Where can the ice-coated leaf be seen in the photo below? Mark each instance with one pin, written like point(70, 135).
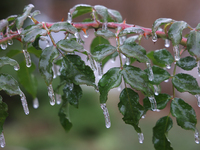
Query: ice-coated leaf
point(187, 63)
point(3, 113)
point(198, 27)
point(80, 9)
point(159, 22)
point(150, 55)
point(3, 24)
point(163, 56)
point(69, 45)
point(27, 78)
point(74, 68)
point(63, 26)
point(131, 30)
point(175, 31)
point(186, 83)
point(11, 17)
point(115, 15)
point(184, 113)
point(26, 13)
point(101, 51)
point(36, 44)
point(8, 61)
point(137, 79)
point(111, 79)
point(45, 63)
point(130, 108)
point(35, 13)
point(193, 44)
point(102, 11)
point(105, 34)
point(160, 131)
point(72, 94)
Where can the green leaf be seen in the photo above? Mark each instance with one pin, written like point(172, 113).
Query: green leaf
point(184, 113)
point(160, 22)
point(20, 19)
point(13, 53)
point(187, 63)
point(105, 34)
point(102, 11)
point(175, 32)
point(150, 55)
point(131, 30)
point(8, 61)
point(36, 43)
point(98, 40)
point(193, 44)
point(80, 9)
point(3, 24)
point(45, 63)
point(161, 101)
point(64, 116)
point(9, 85)
point(130, 108)
point(11, 17)
point(72, 94)
point(34, 51)
point(160, 131)
point(137, 79)
point(3, 113)
point(74, 68)
point(115, 15)
point(163, 56)
point(186, 83)
point(27, 78)
point(101, 51)
point(63, 26)
point(111, 79)
point(35, 13)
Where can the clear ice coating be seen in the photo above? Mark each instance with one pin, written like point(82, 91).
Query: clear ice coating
point(176, 53)
point(198, 99)
point(100, 69)
point(77, 36)
point(24, 103)
point(156, 89)
point(35, 103)
point(153, 103)
point(151, 76)
point(92, 63)
point(2, 140)
point(141, 137)
point(51, 94)
point(168, 66)
point(58, 99)
point(154, 37)
point(127, 61)
point(4, 46)
point(167, 43)
point(198, 68)
point(85, 34)
point(196, 136)
point(104, 26)
point(10, 42)
point(16, 67)
point(106, 115)
point(69, 19)
point(27, 58)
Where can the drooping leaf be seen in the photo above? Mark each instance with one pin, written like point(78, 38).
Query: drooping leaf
point(175, 31)
point(45, 63)
point(105, 34)
point(115, 15)
point(184, 113)
point(80, 9)
point(8, 61)
point(150, 55)
point(102, 11)
point(160, 22)
point(187, 63)
point(111, 79)
point(131, 30)
point(3, 113)
point(130, 108)
point(186, 83)
point(63, 26)
point(163, 56)
point(160, 131)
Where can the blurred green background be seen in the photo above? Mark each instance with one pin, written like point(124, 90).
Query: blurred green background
point(41, 130)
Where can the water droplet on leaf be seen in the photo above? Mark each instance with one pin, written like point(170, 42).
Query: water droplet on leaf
point(35, 103)
point(10, 42)
point(51, 94)
point(106, 115)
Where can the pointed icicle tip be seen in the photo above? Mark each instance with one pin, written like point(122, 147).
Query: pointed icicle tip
point(51, 94)
point(198, 99)
point(141, 137)
point(106, 115)
point(176, 53)
point(85, 33)
point(151, 76)
point(35, 103)
point(24, 103)
point(27, 58)
point(4, 46)
point(58, 99)
point(154, 37)
point(167, 43)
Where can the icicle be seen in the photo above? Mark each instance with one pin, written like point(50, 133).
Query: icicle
point(85, 34)
point(16, 67)
point(168, 66)
point(4, 46)
point(143, 116)
point(198, 68)
point(54, 71)
point(176, 53)
point(69, 19)
point(35, 103)
point(58, 99)
point(153, 103)
point(100, 69)
point(24, 103)
point(127, 61)
point(167, 43)
point(113, 60)
point(27, 58)
point(51, 94)
point(77, 36)
point(106, 115)
point(2, 140)
point(97, 89)
point(141, 137)
point(151, 76)
point(156, 89)
point(71, 86)
point(196, 136)
point(167, 80)
point(154, 37)
point(104, 26)
point(198, 99)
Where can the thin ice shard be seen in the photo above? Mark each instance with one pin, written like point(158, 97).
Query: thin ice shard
point(151, 76)
point(105, 26)
point(92, 63)
point(176, 53)
point(24, 103)
point(35, 103)
point(198, 99)
point(106, 115)
point(2, 140)
point(196, 136)
point(27, 58)
point(198, 68)
point(156, 89)
point(153, 103)
point(167, 43)
point(69, 19)
point(77, 36)
point(51, 94)
point(141, 137)
point(58, 99)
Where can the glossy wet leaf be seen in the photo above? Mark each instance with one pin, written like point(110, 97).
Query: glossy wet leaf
point(175, 31)
point(80, 9)
point(101, 11)
point(163, 56)
point(187, 63)
point(160, 131)
point(11, 17)
point(8, 61)
point(115, 15)
point(130, 108)
point(160, 22)
point(131, 30)
point(63, 26)
point(105, 34)
point(13, 53)
point(184, 113)
point(34, 51)
point(3, 24)
point(3, 113)
point(150, 55)
point(45, 63)
point(186, 83)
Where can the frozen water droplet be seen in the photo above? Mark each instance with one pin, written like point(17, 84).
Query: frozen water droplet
point(113, 60)
point(4, 46)
point(196, 136)
point(85, 34)
point(154, 37)
point(100, 69)
point(141, 137)
point(10, 42)
point(71, 86)
point(127, 61)
point(106, 115)
point(143, 116)
point(198, 67)
point(54, 69)
point(16, 67)
point(51, 94)
point(2, 140)
point(58, 99)
point(176, 53)
point(77, 36)
point(151, 76)
point(27, 58)
point(119, 87)
point(167, 43)
point(47, 43)
point(153, 103)
point(24, 103)
point(35, 103)
point(123, 56)
point(104, 26)
point(166, 80)
point(156, 89)
point(168, 66)
point(69, 19)
point(198, 99)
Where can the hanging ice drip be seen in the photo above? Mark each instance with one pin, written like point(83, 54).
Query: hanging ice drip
point(35, 103)
point(154, 37)
point(106, 115)
point(56, 71)
point(16, 67)
point(26, 55)
point(196, 136)
point(105, 25)
point(85, 33)
point(2, 140)
point(51, 94)
point(58, 99)
point(77, 36)
point(24, 103)
point(69, 19)
point(167, 43)
point(176, 53)
point(3, 45)
point(198, 67)
point(92, 62)
point(151, 76)
point(156, 89)
point(141, 137)
point(153, 103)
point(44, 38)
point(127, 61)
point(10, 41)
point(198, 99)
point(168, 66)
